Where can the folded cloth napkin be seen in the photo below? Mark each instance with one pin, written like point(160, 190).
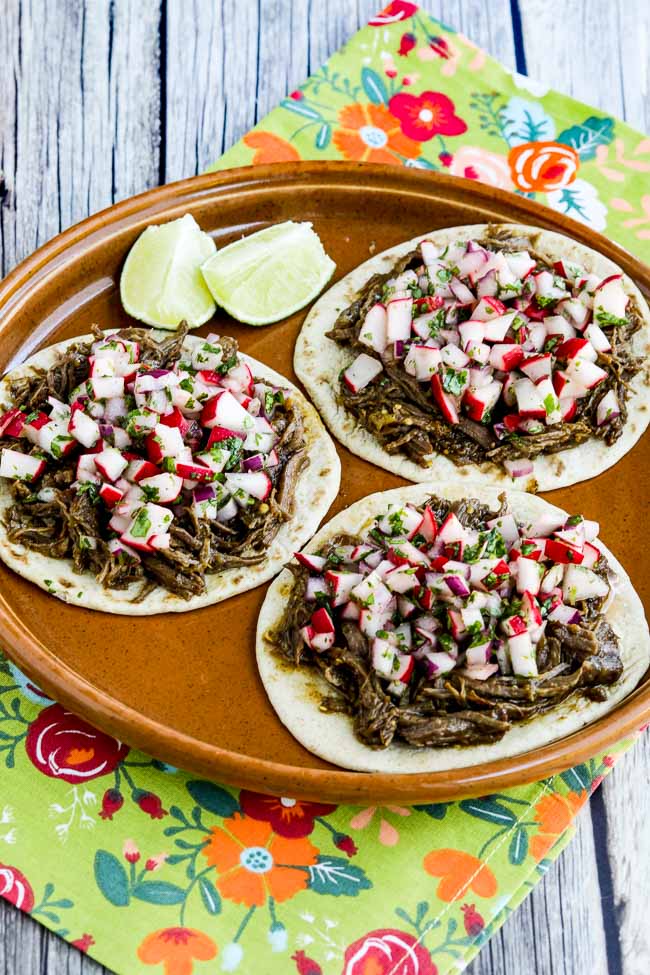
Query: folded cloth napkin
point(149, 869)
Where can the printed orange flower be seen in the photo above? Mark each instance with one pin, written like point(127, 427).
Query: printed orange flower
point(423, 116)
point(460, 873)
point(554, 813)
point(369, 133)
point(270, 148)
point(543, 166)
point(254, 863)
point(176, 949)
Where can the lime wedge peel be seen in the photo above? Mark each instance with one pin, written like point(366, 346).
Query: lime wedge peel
point(270, 274)
point(161, 283)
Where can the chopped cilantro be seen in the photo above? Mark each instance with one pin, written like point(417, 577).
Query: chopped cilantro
point(454, 382)
point(142, 524)
point(150, 492)
point(236, 448)
point(187, 385)
point(272, 399)
point(545, 301)
point(444, 274)
point(606, 318)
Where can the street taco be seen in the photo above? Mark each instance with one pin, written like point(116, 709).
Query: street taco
point(142, 473)
point(425, 629)
point(506, 353)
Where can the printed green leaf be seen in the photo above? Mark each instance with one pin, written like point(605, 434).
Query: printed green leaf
point(111, 878)
point(158, 892)
point(586, 138)
point(324, 136)
point(210, 896)
point(518, 849)
point(299, 108)
point(489, 810)
point(213, 798)
point(374, 87)
point(577, 778)
point(337, 877)
point(437, 810)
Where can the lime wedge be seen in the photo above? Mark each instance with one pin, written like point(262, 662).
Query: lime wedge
point(161, 282)
point(270, 274)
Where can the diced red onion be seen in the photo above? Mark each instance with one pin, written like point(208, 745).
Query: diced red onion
point(519, 468)
point(254, 463)
point(204, 492)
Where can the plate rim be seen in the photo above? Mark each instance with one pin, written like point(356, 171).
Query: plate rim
point(120, 720)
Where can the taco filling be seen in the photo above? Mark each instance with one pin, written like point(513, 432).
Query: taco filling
point(448, 623)
point(149, 461)
point(483, 350)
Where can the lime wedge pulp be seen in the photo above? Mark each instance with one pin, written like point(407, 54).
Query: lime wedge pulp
point(270, 274)
point(161, 282)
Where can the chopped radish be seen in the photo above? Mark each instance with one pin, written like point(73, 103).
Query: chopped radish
point(383, 657)
point(110, 463)
point(610, 301)
point(421, 362)
point(528, 576)
point(164, 442)
point(505, 356)
point(487, 309)
point(558, 550)
point(608, 408)
point(398, 319)
point(256, 483)
point(444, 400)
point(239, 379)
point(373, 332)
point(480, 402)
point(585, 373)
point(225, 411)
point(148, 520)
point(550, 401)
point(529, 400)
point(110, 494)
point(522, 655)
point(163, 488)
point(453, 357)
point(597, 337)
point(471, 332)
point(497, 328)
point(582, 583)
point(361, 372)
point(428, 527)
point(591, 554)
point(20, 467)
point(520, 467)
point(537, 367)
point(12, 423)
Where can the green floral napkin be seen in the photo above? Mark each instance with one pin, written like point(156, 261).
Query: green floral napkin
point(152, 871)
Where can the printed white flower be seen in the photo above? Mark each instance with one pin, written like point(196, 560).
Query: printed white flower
point(89, 798)
point(7, 816)
point(309, 918)
point(580, 200)
point(302, 940)
point(277, 937)
point(231, 957)
point(532, 85)
point(9, 837)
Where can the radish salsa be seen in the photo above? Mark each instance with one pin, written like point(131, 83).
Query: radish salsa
point(447, 623)
point(149, 461)
point(484, 351)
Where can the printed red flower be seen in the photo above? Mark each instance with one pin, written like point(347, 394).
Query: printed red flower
point(406, 44)
point(346, 844)
point(423, 116)
point(83, 943)
point(112, 802)
point(149, 803)
point(15, 888)
point(393, 13)
point(474, 923)
point(63, 746)
point(388, 951)
point(287, 817)
point(306, 965)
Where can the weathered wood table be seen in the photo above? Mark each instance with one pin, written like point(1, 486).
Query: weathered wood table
point(100, 99)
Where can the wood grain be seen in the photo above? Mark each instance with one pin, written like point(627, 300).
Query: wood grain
point(104, 98)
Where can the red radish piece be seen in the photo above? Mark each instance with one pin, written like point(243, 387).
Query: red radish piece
point(478, 403)
point(487, 309)
point(383, 657)
point(610, 299)
point(256, 483)
point(505, 356)
point(164, 487)
point(585, 373)
point(398, 319)
point(572, 348)
point(140, 468)
point(582, 583)
point(239, 379)
point(444, 400)
point(217, 434)
point(522, 655)
point(12, 423)
point(519, 468)
point(110, 463)
point(361, 372)
point(176, 419)
point(537, 367)
point(528, 576)
point(560, 551)
point(550, 400)
point(110, 494)
point(403, 667)
point(471, 331)
point(373, 331)
point(421, 362)
point(20, 467)
point(568, 408)
point(164, 442)
point(428, 527)
point(597, 337)
point(225, 411)
point(453, 357)
point(608, 408)
point(497, 328)
point(529, 401)
point(322, 621)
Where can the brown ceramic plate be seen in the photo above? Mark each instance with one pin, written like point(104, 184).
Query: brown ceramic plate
point(184, 687)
